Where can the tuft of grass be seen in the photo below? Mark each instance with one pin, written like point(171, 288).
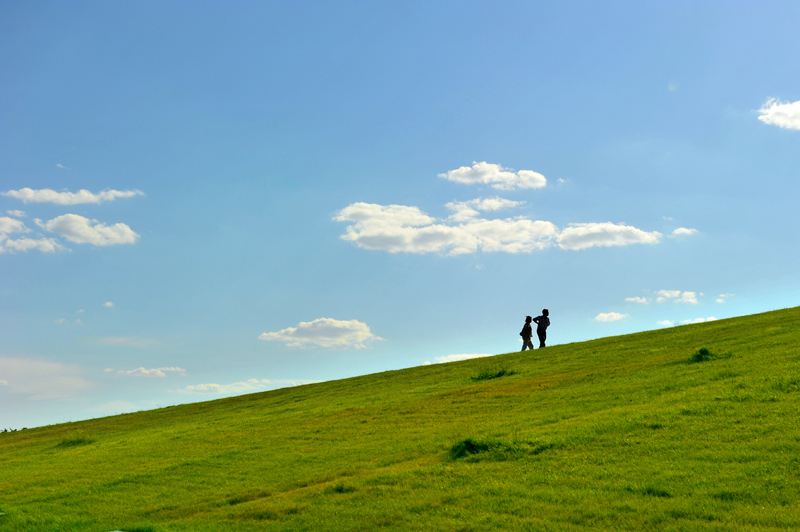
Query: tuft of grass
point(75, 441)
point(247, 496)
point(340, 487)
point(650, 491)
point(487, 374)
point(468, 447)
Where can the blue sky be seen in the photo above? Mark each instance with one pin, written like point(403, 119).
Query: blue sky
point(200, 200)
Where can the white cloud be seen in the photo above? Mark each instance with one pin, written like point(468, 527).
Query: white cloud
point(781, 114)
point(466, 211)
point(610, 316)
point(81, 230)
point(42, 379)
point(59, 165)
point(587, 235)
point(324, 332)
point(3, 383)
point(18, 214)
point(154, 372)
point(250, 385)
point(47, 195)
point(676, 295)
point(496, 176)
point(10, 225)
point(666, 323)
point(723, 297)
point(108, 370)
point(456, 358)
point(397, 228)
point(45, 245)
point(642, 300)
point(108, 304)
point(79, 311)
point(699, 320)
point(78, 322)
point(683, 231)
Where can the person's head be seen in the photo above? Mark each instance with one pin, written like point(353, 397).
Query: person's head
point(545, 312)
point(528, 319)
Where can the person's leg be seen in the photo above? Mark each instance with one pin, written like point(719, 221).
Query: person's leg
point(526, 343)
point(542, 338)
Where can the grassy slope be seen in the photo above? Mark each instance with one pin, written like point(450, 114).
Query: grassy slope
point(619, 433)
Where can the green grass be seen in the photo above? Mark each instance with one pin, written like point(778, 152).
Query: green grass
point(625, 433)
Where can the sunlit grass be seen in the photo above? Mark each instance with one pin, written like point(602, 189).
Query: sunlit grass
point(623, 433)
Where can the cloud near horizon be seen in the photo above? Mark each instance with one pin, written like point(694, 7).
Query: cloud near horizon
point(46, 195)
point(250, 385)
point(456, 358)
point(782, 114)
point(40, 380)
point(406, 229)
point(677, 296)
point(324, 332)
point(495, 175)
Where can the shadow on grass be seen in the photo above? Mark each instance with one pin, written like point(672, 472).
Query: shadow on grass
point(74, 442)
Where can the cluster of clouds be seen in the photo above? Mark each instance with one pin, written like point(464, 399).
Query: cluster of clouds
point(145, 372)
point(663, 296)
point(782, 114)
point(407, 229)
point(72, 227)
point(324, 332)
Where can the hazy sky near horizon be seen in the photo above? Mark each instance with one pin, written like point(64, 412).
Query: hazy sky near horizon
point(205, 199)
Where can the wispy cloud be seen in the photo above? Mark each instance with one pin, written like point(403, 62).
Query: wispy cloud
point(723, 297)
point(10, 226)
point(782, 114)
point(59, 165)
point(610, 316)
point(683, 231)
point(666, 323)
point(637, 299)
point(250, 385)
point(153, 372)
point(108, 304)
point(324, 332)
point(496, 176)
point(18, 214)
point(40, 380)
point(456, 358)
point(46, 195)
point(81, 230)
point(468, 210)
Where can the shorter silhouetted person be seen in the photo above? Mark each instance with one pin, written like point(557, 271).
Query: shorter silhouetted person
point(542, 323)
point(526, 334)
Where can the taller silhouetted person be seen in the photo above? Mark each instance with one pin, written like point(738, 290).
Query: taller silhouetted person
point(526, 334)
point(542, 323)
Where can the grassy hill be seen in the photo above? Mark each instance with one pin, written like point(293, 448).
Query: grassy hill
point(633, 432)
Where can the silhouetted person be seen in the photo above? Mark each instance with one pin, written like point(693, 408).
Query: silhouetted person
point(526, 334)
point(542, 323)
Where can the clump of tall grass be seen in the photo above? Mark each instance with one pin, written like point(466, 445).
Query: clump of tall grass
point(493, 374)
point(75, 441)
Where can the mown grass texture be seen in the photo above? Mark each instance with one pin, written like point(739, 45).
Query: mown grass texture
point(621, 433)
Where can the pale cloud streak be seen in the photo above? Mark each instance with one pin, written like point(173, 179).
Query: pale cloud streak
point(723, 297)
point(18, 214)
point(81, 230)
point(610, 316)
point(666, 323)
point(248, 386)
point(324, 332)
point(782, 114)
point(108, 304)
point(637, 299)
point(466, 211)
point(39, 380)
point(699, 320)
point(495, 175)
point(153, 372)
point(10, 226)
point(684, 231)
point(46, 195)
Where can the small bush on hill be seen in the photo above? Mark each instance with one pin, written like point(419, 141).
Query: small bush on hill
point(75, 441)
point(702, 355)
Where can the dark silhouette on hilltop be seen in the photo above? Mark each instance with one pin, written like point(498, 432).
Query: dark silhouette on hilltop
point(526, 334)
point(542, 323)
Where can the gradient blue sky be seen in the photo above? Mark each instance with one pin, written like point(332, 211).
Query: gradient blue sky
point(225, 150)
